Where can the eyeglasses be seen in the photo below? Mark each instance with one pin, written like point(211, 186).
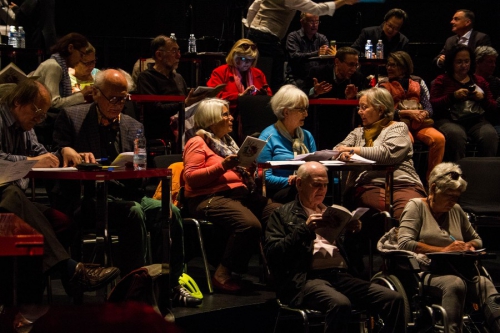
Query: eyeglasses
point(39, 115)
point(453, 175)
point(351, 64)
point(89, 63)
point(391, 64)
point(301, 110)
point(245, 60)
point(392, 27)
point(246, 46)
point(175, 51)
point(311, 23)
point(363, 107)
point(115, 99)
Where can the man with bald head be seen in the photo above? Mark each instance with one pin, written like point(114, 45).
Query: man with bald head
point(100, 130)
point(310, 272)
point(162, 79)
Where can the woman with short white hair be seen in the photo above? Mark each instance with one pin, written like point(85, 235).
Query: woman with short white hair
point(219, 190)
point(286, 139)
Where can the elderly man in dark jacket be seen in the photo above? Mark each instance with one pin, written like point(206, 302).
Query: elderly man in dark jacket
point(311, 271)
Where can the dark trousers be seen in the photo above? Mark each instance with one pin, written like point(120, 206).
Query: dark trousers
point(480, 132)
point(335, 295)
point(242, 215)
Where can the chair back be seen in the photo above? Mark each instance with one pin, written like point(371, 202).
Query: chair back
point(255, 114)
point(163, 161)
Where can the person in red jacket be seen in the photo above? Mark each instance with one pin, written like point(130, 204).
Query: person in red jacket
point(239, 74)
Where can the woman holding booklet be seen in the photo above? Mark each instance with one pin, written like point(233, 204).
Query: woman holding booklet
point(285, 140)
point(239, 73)
point(384, 141)
point(219, 190)
point(438, 224)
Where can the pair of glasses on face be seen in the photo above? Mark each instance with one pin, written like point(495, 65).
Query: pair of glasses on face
point(39, 115)
point(301, 110)
point(89, 63)
point(352, 64)
point(313, 23)
point(246, 46)
point(245, 60)
point(115, 99)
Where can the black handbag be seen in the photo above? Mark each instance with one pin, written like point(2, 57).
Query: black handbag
point(466, 110)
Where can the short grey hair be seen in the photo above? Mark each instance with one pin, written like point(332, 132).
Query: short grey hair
point(288, 97)
point(440, 176)
point(209, 112)
point(484, 51)
point(100, 78)
point(380, 99)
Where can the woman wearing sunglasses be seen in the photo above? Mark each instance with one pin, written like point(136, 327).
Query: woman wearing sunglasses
point(239, 74)
point(438, 224)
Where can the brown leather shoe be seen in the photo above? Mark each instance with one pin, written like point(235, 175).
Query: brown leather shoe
point(90, 277)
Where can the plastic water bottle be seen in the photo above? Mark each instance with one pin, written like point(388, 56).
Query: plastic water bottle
point(21, 34)
point(12, 36)
point(140, 157)
point(368, 49)
point(192, 44)
point(172, 36)
point(380, 49)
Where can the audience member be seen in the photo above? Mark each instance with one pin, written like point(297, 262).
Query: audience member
point(239, 74)
point(100, 130)
point(304, 44)
point(462, 25)
point(163, 79)
point(310, 272)
point(67, 52)
point(486, 59)
point(340, 81)
point(388, 32)
point(22, 108)
point(409, 91)
point(438, 224)
point(460, 100)
point(219, 190)
point(285, 140)
point(269, 20)
point(385, 141)
point(83, 74)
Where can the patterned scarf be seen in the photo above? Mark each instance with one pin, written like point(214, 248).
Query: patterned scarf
point(225, 147)
point(238, 78)
point(298, 145)
point(372, 131)
point(65, 84)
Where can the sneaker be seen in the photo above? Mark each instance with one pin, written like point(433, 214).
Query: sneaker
point(182, 297)
point(89, 277)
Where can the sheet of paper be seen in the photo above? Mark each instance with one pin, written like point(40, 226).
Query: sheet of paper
point(278, 163)
point(55, 169)
point(249, 151)
point(331, 162)
point(12, 171)
point(358, 159)
point(123, 158)
point(320, 155)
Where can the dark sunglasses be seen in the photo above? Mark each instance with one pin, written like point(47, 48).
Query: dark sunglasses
point(453, 175)
point(245, 46)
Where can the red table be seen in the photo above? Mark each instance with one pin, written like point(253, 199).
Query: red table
point(17, 239)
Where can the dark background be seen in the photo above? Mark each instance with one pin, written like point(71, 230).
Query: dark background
point(121, 30)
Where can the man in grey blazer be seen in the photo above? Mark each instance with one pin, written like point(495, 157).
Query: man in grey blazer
point(100, 130)
point(462, 25)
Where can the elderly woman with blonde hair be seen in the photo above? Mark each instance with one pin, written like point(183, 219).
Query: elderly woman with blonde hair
point(286, 139)
point(221, 191)
point(239, 73)
point(438, 224)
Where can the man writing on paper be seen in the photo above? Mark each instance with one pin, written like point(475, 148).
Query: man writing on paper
point(312, 273)
point(21, 109)
point(163, 79)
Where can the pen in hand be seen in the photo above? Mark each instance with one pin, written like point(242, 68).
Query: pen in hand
point(452, 238)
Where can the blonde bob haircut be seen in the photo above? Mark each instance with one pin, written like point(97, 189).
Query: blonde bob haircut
point(238, 49)
point(288, 97)
point(209, 112)
point(380, 99)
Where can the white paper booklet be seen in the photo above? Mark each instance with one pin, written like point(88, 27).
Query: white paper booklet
point(337, 218)
point(358, 159)
point(320, 155)
point(122, 159)
point(249, 150)
point(212, 91)
point(12, 171)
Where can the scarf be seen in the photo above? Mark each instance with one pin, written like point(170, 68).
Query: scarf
point(65, 84)
point(372, 132)
point(225, 147)
point(298, 145)
point(403, 89)
point(238, 78)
